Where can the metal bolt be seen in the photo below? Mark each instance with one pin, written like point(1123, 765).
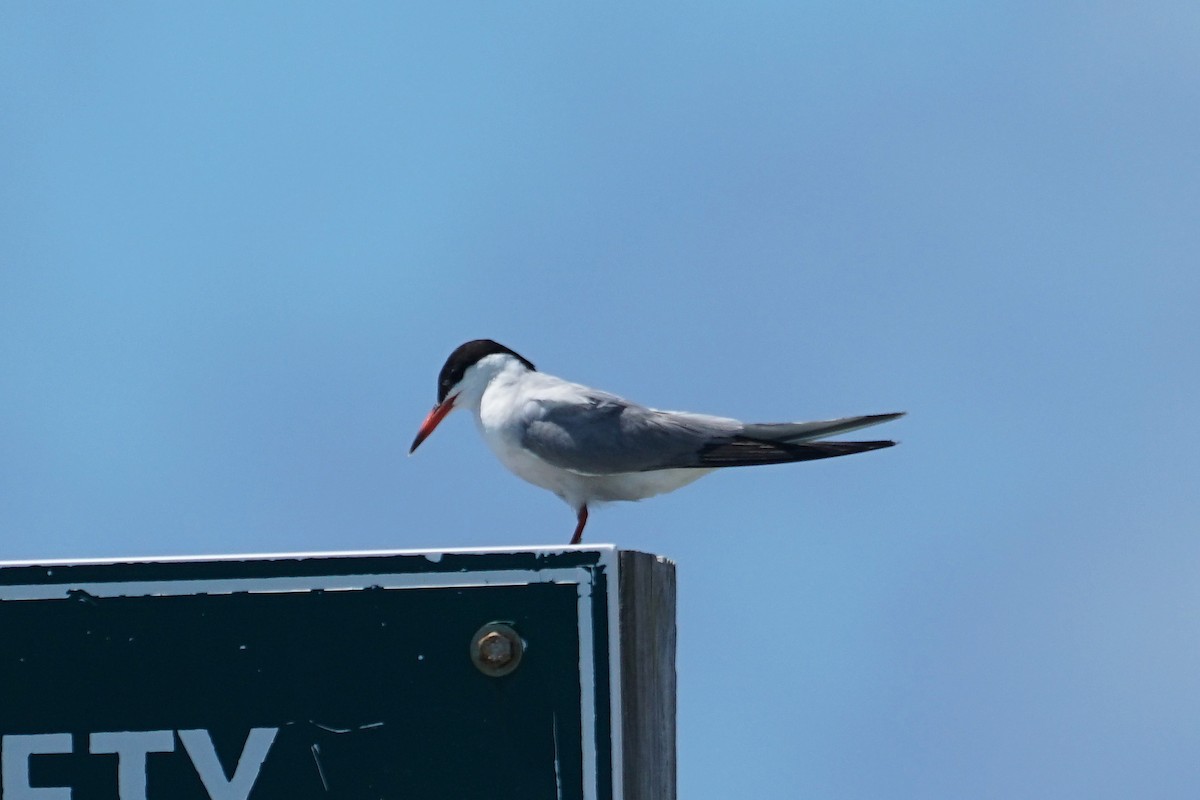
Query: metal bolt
point(496, 649)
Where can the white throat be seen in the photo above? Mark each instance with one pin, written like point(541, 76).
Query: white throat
point(493, 371)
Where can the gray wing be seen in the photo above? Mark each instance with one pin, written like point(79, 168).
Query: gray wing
point(806, 431)
point(608, 435)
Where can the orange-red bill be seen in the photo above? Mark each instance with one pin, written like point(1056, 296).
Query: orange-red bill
point(437, 415)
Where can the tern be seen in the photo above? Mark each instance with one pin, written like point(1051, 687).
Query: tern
point(589, 446)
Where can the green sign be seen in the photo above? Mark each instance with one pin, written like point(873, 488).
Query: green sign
point(394, 675)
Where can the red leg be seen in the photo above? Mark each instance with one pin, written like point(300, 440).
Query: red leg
point(582, 517)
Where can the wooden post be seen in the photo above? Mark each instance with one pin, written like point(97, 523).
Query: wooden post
point(647, 612)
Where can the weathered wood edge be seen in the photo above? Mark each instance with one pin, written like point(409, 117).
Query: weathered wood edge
point(647, 619)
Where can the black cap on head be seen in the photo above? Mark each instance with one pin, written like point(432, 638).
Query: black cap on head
point(465, 356)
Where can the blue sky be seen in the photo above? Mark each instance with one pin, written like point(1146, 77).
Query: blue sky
point(237, 241)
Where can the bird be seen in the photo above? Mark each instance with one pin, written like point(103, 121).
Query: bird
point(589, 446)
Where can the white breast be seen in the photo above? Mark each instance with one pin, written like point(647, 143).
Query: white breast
point(513, 398)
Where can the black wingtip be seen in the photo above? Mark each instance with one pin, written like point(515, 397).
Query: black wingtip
point(744, 452)
point(861, 447)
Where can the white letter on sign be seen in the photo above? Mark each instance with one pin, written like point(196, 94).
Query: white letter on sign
point(131, 748)
point(14, 769)
point(204, 757)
